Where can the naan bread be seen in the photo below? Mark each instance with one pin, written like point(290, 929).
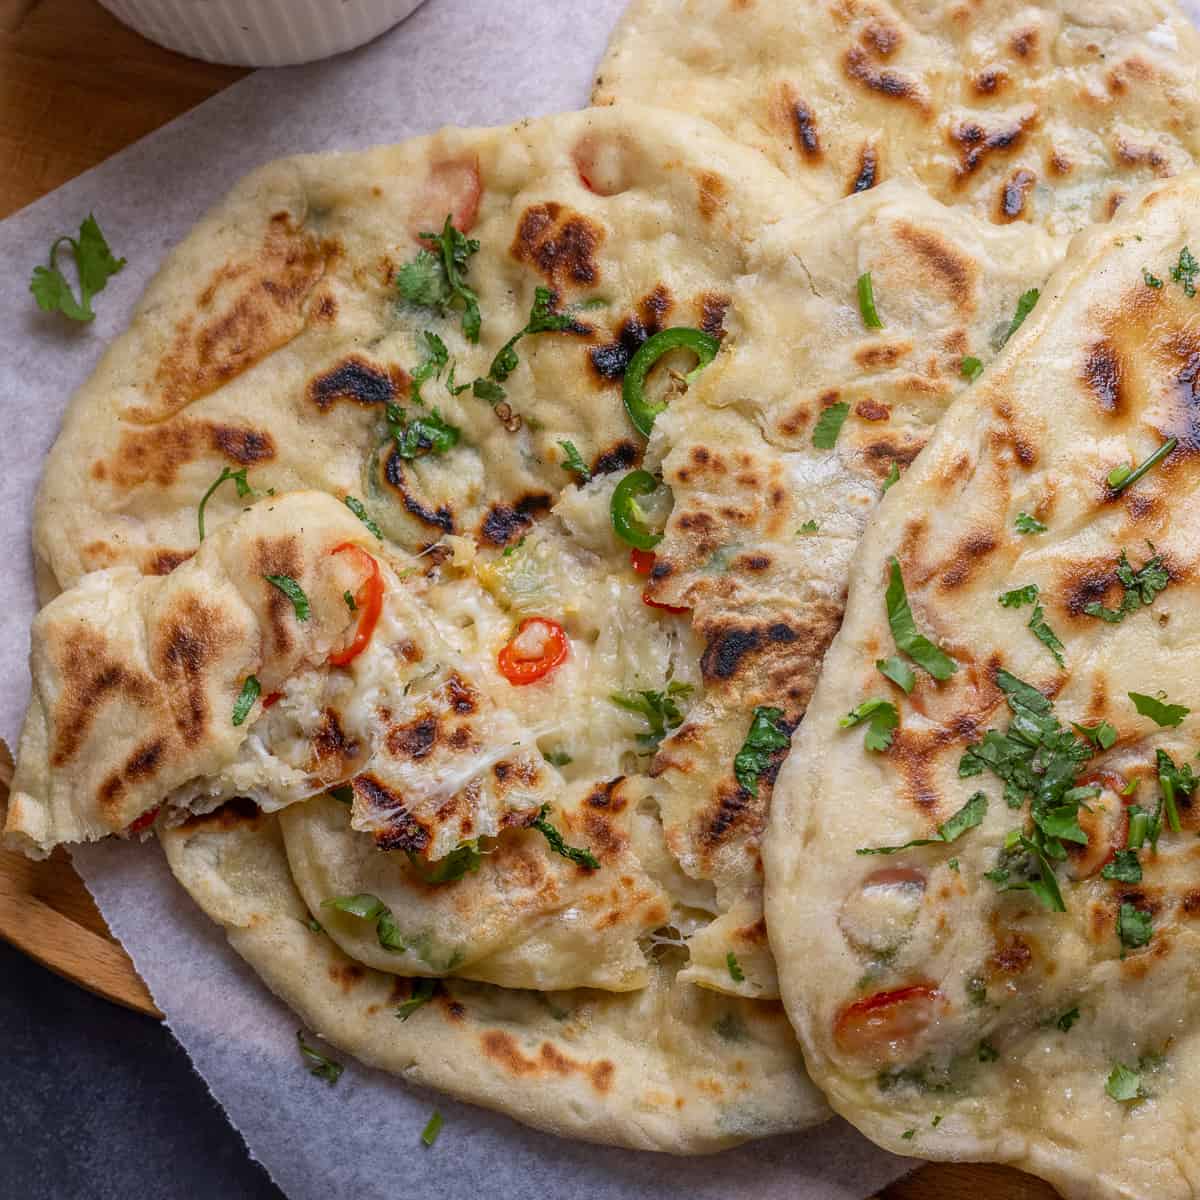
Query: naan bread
point(670, 1067)
point(944, 1016)
point(1041, 113)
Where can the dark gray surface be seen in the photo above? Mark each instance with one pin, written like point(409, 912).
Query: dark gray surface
point(100, 1103)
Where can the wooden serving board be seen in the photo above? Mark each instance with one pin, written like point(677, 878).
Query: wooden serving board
point(75, 87)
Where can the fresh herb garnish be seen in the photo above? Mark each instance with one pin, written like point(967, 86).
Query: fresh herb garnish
point(435, 277)
point(348, 596)
point(542, 319)
point(1141, 587)
point(893, 476)
point(1024, 308)
point(898, 671)
point(464, 859)
point(425, 434)
point(1023, 866)
point(318, 1065)
point(909, 1134)
point(1134, 927)
point(1119, 478)
point(904, 631)
point(294, 592)
point(93, 260)
point(436, 357)
point(315, 925)
point(735, 968)
point(422, 992)
point(808, 527)
point(881, 717)
point(557, 758)
point(367, 907)
point(1026, 524)
point(660, 709)
point(1068, 1019)
point(1037, 622)
point(582, 858)
point(1102, 734)
point(866, 302)
point(1166, 715)
point(767, 736)
point(243, 490)
point(971, 368)
point(829, 425)
point(1174, 782)
point(359, 510)
point(1123, 1084)
point(1152, 281)
point(573, 462)
point(967, 817)
point(1184, 272)
point(429, 1134)
point(246, 699)
point(1125, 867)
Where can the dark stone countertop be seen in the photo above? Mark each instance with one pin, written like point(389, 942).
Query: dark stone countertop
point(100, 1103)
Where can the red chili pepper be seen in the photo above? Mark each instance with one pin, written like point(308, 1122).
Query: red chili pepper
point(671, 608)
point(538, 646)
point(273, 698)
point(642, 561)
point(368, 602)
point(881, 1024)
point(145, 820)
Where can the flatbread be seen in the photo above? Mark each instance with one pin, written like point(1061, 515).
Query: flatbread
point(942, 1015)
point(670, 1067)
point(1043, 113)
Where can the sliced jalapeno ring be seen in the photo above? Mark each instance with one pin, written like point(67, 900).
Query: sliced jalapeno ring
point(703, 345)
point(628, 519)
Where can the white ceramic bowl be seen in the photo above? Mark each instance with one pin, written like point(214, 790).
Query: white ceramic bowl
point(260, 33)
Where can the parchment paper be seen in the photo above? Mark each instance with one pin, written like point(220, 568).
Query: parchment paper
point(455, 61)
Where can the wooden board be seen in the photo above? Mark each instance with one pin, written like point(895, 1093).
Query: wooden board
point(75, 87)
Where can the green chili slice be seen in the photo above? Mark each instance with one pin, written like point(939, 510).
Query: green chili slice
point(628, 519)
point(703, 345)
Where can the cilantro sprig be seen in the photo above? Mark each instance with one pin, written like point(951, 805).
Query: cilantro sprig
point(543, 318)
point(1141, 587)
point(244, 491)
point(661, 709)
point(436, 277)
point(95, 264)
point(576, 854)
point(430, 367)
point(427, 433)
point(1025, 305)
point(768, 735)
point(318, 1064)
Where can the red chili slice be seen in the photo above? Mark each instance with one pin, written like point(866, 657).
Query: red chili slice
point(642, 561)
point(368, 602)
point(273, 698)
point(671, 608)
point(145, 820)
point(882, 1026)
point(538, 646)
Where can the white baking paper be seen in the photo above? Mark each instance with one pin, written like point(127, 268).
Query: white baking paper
point(455, 61)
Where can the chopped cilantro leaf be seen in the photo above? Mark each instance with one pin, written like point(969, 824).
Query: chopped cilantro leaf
point(1068, 1019)
point(464, 859)
point(1023, 866)
point(904, 630)
point(808, 527)
point(1102, 735)
point(422, 992)
point(429, 1134)
point(388, 933)
point(425, 434)
point(558, 758)
point(1026, 524)
point(246, 699)
point(1123, 1084)
point(909, 1134)
point(1141, 587)
point(893, 476)
point(898, 671)
point(435, 278)
point(953, 864)
point(1037, 622)
point(359, 510)
point(485, 389)
point(881, 717)
point(293, 591)
point(950, 830)
point(829, 425)
point(582, 858)
point(766, 737)
point(94, 262)
point(1174, 781)
point(363, 905)
point(436, 357)
point(315, 925)
point(735, 968)
point(1184, 272)
point(1125, 867)
point(660, 709)
point(318, 1065)
point(866, 302)
point(1024, 308)
point(971, 368)
point(1134, 927)
point(1018, 596)
point(239, 481)
point(1161, 713)
point(542, 319)
point(573, 462)
point(1152, 281)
